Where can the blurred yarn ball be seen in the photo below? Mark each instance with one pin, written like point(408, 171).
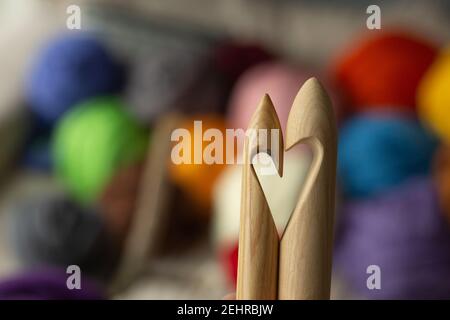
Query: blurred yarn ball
point(441, 177)
point(91, 142)
point(47, 284)
point(433, 96)
point(379, 150)
point(384, 69)
point(54, 231)
point(278, 79)
point(281, 81)
point(229, 258)
point(231, 59)
point(197, 180)
point(404, 234)
point(118, 200)
point(71, 68)
point(282, 195)
point(167, 79)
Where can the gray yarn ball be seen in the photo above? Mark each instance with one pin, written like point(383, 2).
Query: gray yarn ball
point(167, 79)
point(55, 231)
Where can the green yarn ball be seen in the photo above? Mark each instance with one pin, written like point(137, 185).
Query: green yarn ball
point(91, 142)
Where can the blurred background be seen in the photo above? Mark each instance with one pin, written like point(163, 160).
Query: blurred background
point(86, 117)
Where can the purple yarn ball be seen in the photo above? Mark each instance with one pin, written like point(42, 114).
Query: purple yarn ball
point(404, 234)
point(47, 284)
point(71, 68)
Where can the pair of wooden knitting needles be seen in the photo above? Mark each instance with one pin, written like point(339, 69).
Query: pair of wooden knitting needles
point(296, 265)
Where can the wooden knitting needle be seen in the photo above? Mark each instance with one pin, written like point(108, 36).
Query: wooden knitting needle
point(150, 219)
point(258, 236)
point(306, 245)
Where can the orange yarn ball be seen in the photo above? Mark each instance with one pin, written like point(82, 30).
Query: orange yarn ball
point(383, 70)
point(197, 180)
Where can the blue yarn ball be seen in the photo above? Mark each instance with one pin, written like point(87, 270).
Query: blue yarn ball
point(70, 69)
point(380, 150)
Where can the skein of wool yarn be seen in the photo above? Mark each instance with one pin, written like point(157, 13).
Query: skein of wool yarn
point(229, 258)
point(52, 230)
point(383, 70)
point(91, 142)
point(379, 150)
point(433, 97)
point(403, 233)
point(197, 180)
point(47, 284)
point(280, 80)
point(71, 68)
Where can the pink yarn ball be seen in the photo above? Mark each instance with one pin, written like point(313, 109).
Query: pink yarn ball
point(281, 81)
point(278, 79)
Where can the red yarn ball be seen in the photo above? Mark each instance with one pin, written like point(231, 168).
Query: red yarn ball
point(229, 260)
point(383, 69)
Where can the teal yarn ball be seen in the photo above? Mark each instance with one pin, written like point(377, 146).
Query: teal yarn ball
point(380, 150)
point(92, 142)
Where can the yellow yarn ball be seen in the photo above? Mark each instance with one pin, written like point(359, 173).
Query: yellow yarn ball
point(434, 96)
